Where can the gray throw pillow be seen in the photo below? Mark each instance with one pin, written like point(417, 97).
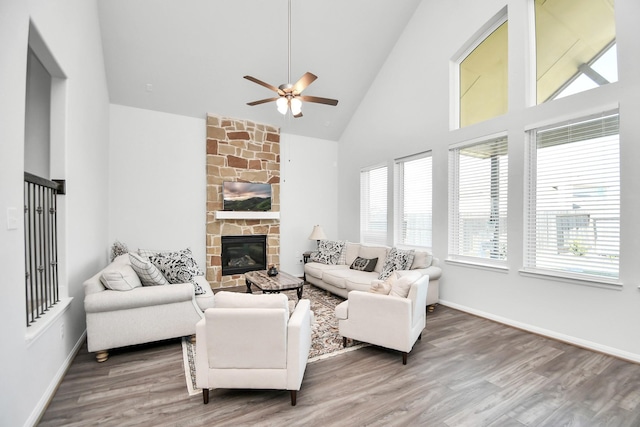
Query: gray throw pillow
point(364, 264)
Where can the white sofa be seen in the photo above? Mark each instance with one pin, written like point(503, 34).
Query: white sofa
point(139, 314)
point(340, 279)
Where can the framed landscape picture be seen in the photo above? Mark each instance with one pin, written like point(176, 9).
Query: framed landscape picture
point(246, 196)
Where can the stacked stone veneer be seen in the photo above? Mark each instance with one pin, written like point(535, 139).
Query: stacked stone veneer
point(240, 150)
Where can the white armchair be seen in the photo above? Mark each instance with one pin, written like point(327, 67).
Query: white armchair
point(250, 341)
point(385, 320)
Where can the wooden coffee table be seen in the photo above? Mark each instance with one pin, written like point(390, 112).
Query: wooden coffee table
point(270, 285)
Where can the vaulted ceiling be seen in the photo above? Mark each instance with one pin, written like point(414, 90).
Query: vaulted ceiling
point(188, 57)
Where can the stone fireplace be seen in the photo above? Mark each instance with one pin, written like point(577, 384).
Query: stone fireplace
point(240, 150)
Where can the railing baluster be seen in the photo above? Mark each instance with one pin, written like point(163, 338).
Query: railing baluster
point(41, 245)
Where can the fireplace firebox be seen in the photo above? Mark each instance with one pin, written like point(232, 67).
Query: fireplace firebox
point(243, 253)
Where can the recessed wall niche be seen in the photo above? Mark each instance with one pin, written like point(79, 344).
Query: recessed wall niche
point(240, 150)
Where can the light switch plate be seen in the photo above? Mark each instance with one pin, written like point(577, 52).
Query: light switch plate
point(12, 219)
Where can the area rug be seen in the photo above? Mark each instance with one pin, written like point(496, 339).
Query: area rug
point(325, 340)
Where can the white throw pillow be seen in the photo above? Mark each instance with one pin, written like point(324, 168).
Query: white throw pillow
point(401, 286)
point(380, 287)
point(122, 278)
point(421, 259)
point(148, 273)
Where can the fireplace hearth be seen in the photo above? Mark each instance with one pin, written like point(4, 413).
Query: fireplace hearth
point(243, 253)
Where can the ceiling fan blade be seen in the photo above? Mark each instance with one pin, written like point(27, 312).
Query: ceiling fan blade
point(304, 81)
point(298, 115)
point(267, 85)
point(319, 100)
point(262, 101)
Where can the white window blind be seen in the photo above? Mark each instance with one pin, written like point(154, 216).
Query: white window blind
point(573, 212)
point(478, 200)
point(413, 208)
point(373, 205)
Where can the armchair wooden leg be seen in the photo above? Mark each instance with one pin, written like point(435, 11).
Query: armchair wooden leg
point(102, 356)
point(192, 338)
point(294, 395)
point(205, 395)
point(344, 342)
point(404, 357)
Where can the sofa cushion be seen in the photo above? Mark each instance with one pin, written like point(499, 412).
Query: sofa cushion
point(360, 280)
point(379, 252)
point(328, 251)
point(120, 277)
point(421, 259)
point(316, 269)
point(364, 264)
point(340, 277)
point(351, 252)
point(398, 259)
point(148, 273)
point(226, 299)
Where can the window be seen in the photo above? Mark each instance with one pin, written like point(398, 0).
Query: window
point(373, 205)
point(483, 76)
point(573, 212)
point(478, 200)
point(575, 46)
point(413, 215)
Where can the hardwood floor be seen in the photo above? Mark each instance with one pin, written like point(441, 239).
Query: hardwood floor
point(466, 371)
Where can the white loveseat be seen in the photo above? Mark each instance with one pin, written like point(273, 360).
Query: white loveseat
point(338, 278)
point(136, 314)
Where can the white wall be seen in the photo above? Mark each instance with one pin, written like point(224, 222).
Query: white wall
point(157, 180)
point(30, 370)
point(603, 319)
point(157, 185)
point(309, 179)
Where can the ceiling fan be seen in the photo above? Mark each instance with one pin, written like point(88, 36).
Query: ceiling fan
point(290, 95)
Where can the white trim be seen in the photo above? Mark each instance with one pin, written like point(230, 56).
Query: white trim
point(589, 345)
point(40, 326)
point(481, 263)
point(479, 140)
point(43, 403)
point(575, 279)
point(247, 215)
point(574, 115)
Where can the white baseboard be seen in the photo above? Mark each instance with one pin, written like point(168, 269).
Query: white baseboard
point(39, 409)
point(589, 345)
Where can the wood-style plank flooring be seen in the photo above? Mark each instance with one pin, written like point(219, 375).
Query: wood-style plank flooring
point(466, 371)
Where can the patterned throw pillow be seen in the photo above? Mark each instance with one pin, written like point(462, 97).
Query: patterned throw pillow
point(147, 272)
point(364, 264)
point(148, 253)
point(398, 259)
point(178, 267)
point(328, 251)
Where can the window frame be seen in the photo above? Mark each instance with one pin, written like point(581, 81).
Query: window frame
point(366, 233)
point(454, 254)
point(530, 266)
point(399, 200)
point(454, 65)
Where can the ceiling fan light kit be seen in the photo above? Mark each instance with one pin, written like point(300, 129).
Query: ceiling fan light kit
point(289, 95)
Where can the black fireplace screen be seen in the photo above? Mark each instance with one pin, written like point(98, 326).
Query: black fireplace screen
point(243, 253)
